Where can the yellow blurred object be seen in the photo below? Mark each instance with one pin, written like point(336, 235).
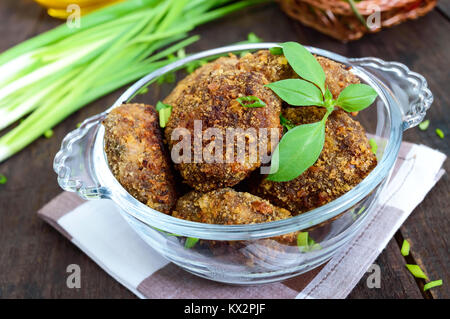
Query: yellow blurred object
point(60, 8)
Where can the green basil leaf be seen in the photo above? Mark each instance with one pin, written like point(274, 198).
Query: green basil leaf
point(299, 149)
point(356, 97)
point(297, 92)
point(304, 63)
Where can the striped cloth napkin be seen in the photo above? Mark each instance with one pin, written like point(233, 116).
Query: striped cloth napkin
point(97, 228)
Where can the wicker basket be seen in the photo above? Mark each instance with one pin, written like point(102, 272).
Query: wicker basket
point(337, 18)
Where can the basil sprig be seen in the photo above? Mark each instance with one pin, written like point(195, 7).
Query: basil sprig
point(301, 146)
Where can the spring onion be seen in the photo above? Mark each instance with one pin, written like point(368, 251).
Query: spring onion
point(3, 179)
point(56, 73)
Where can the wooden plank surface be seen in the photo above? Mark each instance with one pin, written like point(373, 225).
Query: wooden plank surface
point(444, 7)
point(394, 281)
point(34, 256)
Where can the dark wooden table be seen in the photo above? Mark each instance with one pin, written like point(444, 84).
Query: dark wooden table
point(34, 257)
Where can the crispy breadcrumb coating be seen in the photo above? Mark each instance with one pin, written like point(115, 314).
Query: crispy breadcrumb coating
point(209, 96)
point(338, 76)
point(346, 159)
point(276, 68)
point(136, 156)
point(226, 206)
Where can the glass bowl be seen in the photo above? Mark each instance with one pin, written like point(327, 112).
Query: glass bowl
point(254, 253)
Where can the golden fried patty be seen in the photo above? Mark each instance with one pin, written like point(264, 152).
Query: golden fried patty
point(276, 68)
point(227, 207)
point(135, 151)
point(346, 159)
point(338, 77)
point(208, 96)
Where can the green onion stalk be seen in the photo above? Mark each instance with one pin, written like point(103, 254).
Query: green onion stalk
point(58, 72)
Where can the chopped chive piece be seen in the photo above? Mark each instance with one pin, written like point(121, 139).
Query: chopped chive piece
point(181, 53)
point(424, 125)
point(190, 242)
point(286, 123)
point(164, 111)
point(244, 53)
point(48, 133)
point(306, 243)
point(192, 66)
point(253, 38)
point(416, 271)
point(360, 210)
point(251, 98)
point(432, 284)
point(302, 239)
point(439, 133)
point(143, 90)
point(3, 179)
point(373, 145)
point(276, 51)
point(78, 125)
point(166, 78)
point(405, 248)
point(160, 105)
point(164, 232)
